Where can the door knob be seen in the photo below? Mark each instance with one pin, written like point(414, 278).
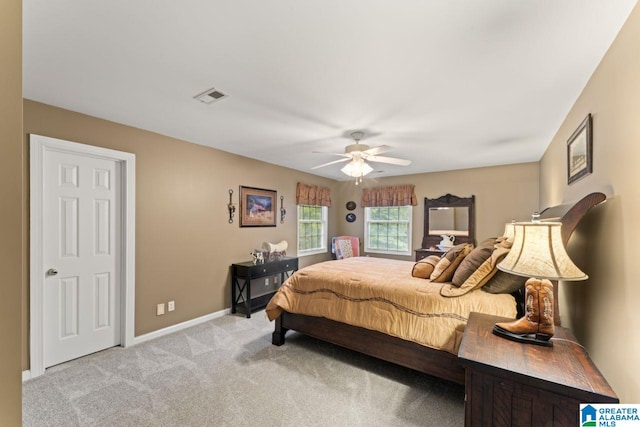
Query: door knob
point(52, 272)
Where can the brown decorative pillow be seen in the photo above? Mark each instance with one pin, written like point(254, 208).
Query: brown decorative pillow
point(471, 262)
point(504, 283)
point(479, 277)
point(423, 268)
point(446, 267)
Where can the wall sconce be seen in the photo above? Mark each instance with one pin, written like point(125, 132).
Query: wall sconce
point(232, 208)
point(283, 211)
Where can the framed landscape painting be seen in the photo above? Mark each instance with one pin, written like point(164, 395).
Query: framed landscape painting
point(580, 152)
point(257, 207)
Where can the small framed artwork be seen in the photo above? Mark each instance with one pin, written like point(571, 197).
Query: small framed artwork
point(257, 207)
point(580, 152)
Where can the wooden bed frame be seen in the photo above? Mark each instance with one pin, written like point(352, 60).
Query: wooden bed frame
point(438, 363)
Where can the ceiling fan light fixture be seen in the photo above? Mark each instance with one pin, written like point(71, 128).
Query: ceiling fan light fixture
point(357, 168)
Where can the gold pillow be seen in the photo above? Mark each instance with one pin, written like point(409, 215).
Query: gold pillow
point(479, 277)
point(423, 268)
point(443, 271)
point(473, 261)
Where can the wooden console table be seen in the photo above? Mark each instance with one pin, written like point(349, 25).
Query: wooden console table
point(242, 274)
point(508, 383)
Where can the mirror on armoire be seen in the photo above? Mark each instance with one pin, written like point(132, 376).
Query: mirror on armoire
point(448, 220)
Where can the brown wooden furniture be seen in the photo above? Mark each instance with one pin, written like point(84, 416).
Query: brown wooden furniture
point(509, 383)
point(463, 207)
point(424, 359)
point(423, 253)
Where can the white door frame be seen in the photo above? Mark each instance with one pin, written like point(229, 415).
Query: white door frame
point(39, 145)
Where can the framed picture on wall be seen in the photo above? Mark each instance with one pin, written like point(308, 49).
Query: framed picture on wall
point(580, 152)
point(257, 207)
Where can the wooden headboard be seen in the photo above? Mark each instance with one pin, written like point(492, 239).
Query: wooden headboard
point(569, 215)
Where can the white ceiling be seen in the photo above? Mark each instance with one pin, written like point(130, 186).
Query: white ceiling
point(448, 84)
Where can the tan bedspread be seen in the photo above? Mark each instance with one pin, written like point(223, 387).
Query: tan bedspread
point(380, 294)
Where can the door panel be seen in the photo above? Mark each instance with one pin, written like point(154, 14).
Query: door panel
point(80, 211)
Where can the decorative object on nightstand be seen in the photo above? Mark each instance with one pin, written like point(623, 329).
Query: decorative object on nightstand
point(275, 251)
point(446, 242)
point(231, 207)
point(537, 252)
point(258, 257)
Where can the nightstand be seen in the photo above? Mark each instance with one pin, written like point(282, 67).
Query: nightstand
point(423, 253)
point(244, 298)
point(509, 383)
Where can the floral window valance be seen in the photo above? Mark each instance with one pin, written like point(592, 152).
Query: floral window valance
point(397, 195)
point(314, 195)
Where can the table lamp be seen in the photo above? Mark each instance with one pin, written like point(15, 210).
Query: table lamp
point(538, 253)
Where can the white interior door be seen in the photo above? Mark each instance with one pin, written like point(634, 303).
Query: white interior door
point(82, 284)
point(82, 225)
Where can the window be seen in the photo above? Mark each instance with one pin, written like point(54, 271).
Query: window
point(388, 230)
point(312, 229)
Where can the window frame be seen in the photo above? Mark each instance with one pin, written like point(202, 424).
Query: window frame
point(324, 221)
point(368, 222)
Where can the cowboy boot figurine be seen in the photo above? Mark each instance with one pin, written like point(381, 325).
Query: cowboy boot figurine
point(536, 326)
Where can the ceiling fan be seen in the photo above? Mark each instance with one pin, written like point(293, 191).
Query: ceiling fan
point(358, 154)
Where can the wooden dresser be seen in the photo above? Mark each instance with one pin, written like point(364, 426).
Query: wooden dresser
point(508, 383)
point(423, 253)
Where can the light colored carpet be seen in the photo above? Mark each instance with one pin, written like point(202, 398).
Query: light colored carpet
point(225, 372)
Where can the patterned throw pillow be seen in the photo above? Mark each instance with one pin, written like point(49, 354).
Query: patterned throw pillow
point(344, 249)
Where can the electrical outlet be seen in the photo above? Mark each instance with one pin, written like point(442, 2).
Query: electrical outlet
point(160, 309)
point(171, 305)
point(266, 281)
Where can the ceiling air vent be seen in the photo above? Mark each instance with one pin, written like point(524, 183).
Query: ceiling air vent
point(210, 96)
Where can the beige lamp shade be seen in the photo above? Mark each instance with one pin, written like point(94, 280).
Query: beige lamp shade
point(538, 252)
point(509, 231)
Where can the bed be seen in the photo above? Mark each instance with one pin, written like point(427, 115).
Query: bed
point(375, 306)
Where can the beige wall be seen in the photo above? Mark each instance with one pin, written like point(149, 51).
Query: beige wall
point(602, 310)
point(10, 210)
point(502, 193)
point(184, 243)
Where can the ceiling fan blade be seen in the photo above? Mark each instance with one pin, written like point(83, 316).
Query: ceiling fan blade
point(331, 163)
point(377, 150)
point(390, 160)
point(332, 154)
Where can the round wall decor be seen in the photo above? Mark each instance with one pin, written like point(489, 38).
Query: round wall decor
point(351, 205)
point(351, 217)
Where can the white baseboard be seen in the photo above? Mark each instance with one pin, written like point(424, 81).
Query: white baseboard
point(26, 375)
point(180, 326)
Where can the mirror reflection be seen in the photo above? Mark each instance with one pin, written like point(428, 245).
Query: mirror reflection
point(449, 220)
point(449, 215)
